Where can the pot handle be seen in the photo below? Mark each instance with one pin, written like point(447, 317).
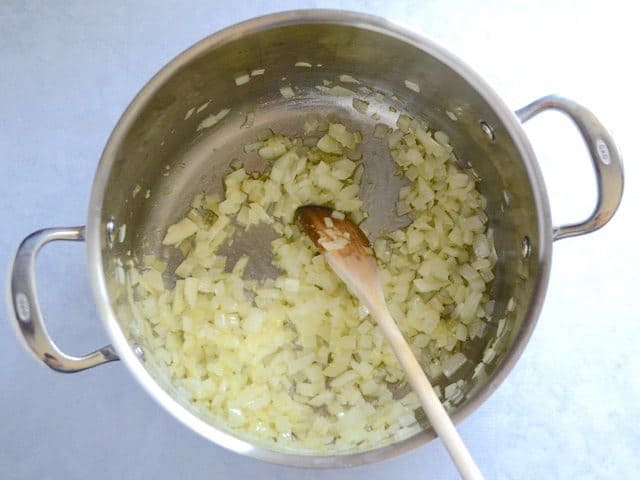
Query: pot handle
point(605, 155)
point(27, 316)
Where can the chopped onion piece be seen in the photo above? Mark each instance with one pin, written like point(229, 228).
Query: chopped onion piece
point(122, 232)
point(249, 119)
point(213, 119)
point(412, 86)
point(360, 105)
point(178, 232)
point(203, 106)
point(241, 79)
point(341, 91)
point(252, 147)
point(348, 79)
point(340, 133)
point(404, 123)
point(380, 130)
point(329, 144)
point(453, 363)
point(507, 197)
point(287, 92)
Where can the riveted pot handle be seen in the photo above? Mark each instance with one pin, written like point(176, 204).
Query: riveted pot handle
point(605, 155)
point(26, 313)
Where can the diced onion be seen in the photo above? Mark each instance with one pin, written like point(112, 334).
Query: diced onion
point(287, 92)
point(348, 79)
point(203, 106)
point(296, 361)
point(340, 91)
point(412, 86)
point(360, 105)
point(380, 131)
point(249, 119)
point(241, 79)
point(213, 119)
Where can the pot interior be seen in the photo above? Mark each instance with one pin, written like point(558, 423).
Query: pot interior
point(158, 160)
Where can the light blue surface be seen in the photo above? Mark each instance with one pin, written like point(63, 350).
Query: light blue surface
point(569, 409)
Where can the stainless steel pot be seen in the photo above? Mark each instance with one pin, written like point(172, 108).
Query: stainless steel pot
point(156, 145)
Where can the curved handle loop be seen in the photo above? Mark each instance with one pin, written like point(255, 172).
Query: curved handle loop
point(605, 155)
point(26, 312)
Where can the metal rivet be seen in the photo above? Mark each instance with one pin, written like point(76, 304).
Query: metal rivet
point(110, 228)
point(23, 307)
point(137, 350)
point(488, 130)
point(526, 247)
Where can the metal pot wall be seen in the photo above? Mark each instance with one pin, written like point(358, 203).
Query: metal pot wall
point(156, 145)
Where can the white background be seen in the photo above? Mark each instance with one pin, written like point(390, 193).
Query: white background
point(570, 409)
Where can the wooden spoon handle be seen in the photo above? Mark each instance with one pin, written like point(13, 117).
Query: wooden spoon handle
point(436, 413)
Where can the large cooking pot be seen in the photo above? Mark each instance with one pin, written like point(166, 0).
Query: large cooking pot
point(157, 146)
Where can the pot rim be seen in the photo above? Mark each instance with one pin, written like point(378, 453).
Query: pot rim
point(262, 23)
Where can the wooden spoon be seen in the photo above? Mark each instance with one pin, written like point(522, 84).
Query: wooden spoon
point(348, 252)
